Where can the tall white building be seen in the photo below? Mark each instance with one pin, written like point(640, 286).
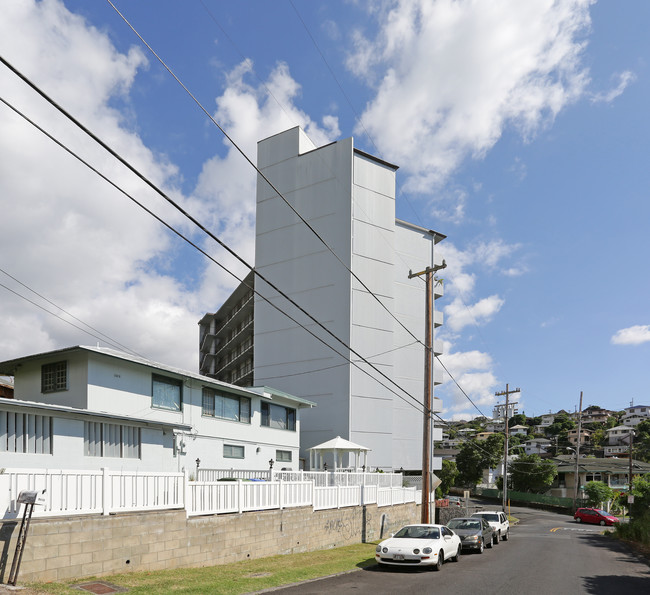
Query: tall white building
point(348, 198)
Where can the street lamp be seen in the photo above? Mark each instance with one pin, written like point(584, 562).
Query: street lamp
point(271, 464)
point(198, 462)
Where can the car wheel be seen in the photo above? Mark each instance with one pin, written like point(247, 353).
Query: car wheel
point(507, 535)
point(439, 561)
point(578, 520)
point(456, 558)
point(602, 523)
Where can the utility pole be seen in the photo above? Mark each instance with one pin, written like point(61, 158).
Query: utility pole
point(507, 394)
point(629, 476)
point(428, 386)
point(576, 477)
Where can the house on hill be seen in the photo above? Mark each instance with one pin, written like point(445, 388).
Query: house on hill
point(93, 407)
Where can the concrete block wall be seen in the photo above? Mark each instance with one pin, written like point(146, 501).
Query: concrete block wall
point(81, 547)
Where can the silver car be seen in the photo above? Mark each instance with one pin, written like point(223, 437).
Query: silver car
point(475, 533)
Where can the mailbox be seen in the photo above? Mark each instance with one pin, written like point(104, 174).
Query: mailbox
point(31, 497)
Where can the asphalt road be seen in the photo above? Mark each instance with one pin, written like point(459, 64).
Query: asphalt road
point(547, 554)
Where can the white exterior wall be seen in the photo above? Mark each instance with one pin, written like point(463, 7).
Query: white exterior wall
point(290, 256)
point(349, 199)
point(123, 388)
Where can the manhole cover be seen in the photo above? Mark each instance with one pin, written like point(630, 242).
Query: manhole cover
point(100, 588)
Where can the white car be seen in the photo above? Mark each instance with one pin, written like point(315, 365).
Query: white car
point(498, 521)
point(420, 545)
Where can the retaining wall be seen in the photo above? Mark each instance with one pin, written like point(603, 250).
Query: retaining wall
point(81, 547)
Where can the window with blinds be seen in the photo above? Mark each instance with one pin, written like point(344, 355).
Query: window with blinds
point(25, 432)
point(111, 440)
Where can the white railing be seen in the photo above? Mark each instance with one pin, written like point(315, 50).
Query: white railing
point(73, 492)
point(217, 474)
point(70, 492)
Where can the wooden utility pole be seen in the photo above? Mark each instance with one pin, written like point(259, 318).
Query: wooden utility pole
point(576, 477)
point(507, 394)
point(428, 388)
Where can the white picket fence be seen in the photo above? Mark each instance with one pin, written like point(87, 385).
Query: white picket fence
point(73, 492)
point(320, 478)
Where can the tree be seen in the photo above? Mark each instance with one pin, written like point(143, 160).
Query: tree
point(598, 492)
point(642, 441)
point(447, 475)
point(641, 493)
point(517, 420)
point(529, 473)
point(470, 464)
point(474, 456)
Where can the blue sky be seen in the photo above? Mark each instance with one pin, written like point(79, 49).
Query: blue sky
point(520, 129)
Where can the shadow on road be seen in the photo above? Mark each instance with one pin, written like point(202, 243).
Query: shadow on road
point(623, 550)
point(630, 585)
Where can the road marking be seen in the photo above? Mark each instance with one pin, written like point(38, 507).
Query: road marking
point(583, 530)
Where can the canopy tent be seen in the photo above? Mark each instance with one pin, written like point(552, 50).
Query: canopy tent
point(337, 447)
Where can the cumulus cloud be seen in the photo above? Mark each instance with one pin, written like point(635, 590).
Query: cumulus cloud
point(633, 335)
point(451, 75)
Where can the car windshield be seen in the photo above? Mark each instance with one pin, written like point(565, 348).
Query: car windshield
point(489, 517)
point(417, 532)
point(463, 524)
point(603, 512)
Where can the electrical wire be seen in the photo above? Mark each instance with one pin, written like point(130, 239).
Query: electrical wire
point(417, 405)
point(258, 171)
point(106, 338)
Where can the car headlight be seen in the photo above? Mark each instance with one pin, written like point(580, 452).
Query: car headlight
point(472, 538)
point(416, 551)
point(378, 549)
point(427, 550)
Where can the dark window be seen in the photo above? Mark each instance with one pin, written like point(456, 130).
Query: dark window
point(277, 416)
point(166, 393)
point(54, 377)
point(233, 451)
point(226, 406)
point(283, 456)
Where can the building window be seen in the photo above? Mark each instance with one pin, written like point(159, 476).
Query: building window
point(25, 432)
point(226, 406)
point(54, 377)
point(283, 456)
point(277, 416)
point(111, 440)
point(166, 393)
point(233, 451)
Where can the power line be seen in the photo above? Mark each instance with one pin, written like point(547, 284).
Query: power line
point(106, 338)
point(259, 172)
point(210, 234)
point(284, 199)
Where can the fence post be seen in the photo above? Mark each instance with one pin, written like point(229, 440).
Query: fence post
point(280, 499)
point(313, 494)
point(187, 493)
point(239, 496)
point(105, 492)
point(338, 495)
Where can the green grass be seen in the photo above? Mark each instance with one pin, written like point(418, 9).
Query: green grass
point(232, 579)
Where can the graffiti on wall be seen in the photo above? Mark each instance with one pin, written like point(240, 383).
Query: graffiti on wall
point(350, 523)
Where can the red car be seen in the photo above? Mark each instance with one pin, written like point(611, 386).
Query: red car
point(594, 515)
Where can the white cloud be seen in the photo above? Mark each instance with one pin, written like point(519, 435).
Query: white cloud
point(459, 315)
point(624, 79)
point(451, 75)
point(633, 335)
point(83, 245)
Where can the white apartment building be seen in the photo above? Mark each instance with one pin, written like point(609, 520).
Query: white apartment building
point(348, 198)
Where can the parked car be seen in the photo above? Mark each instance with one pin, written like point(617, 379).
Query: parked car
point(454, 500)
point(420, 545)
point(498, 521)
point(594, 515)
point(474, 533)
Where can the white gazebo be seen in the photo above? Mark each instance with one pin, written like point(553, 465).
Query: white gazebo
point(337, 447)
